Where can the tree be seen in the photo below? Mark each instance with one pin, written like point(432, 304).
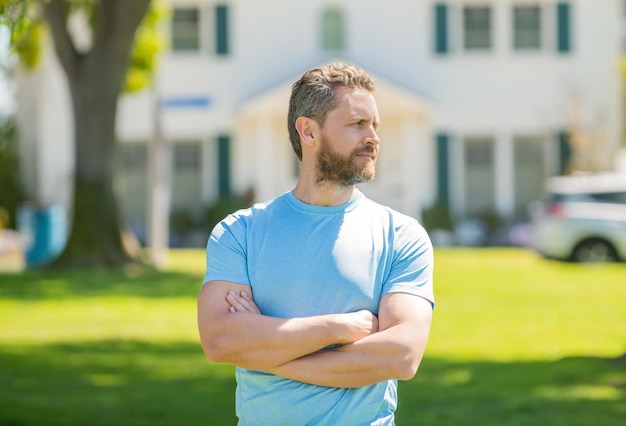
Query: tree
point(96, 76)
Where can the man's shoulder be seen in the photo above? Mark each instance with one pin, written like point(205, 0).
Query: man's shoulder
point(255, 212)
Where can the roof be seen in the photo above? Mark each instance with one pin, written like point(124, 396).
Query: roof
point(389, 96)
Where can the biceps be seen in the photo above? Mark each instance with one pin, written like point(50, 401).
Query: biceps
point(413, 314)
point(212, 301)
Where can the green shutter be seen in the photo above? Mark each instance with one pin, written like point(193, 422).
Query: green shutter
point(441, 28)
point(221, 30)
point(443, 168)
point(565, 152)
point(223, 158)
point(564, 31)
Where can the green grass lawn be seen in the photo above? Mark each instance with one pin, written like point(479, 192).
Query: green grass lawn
point(516, 340)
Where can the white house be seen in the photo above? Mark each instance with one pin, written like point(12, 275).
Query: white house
point(480, 100)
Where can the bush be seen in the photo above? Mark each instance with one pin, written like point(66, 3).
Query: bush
point(222, 208)
point(437, 216)
point(182, 222)
point(12, 190)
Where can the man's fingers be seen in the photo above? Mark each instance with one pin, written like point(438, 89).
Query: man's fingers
point(241, 303)
point(249, 303)
point(235, 302)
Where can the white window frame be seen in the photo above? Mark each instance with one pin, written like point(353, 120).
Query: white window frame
point(207, 37)
point(513, 30)
point(198, 30)
point(492, 25)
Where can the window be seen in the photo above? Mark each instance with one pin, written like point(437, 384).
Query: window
point(185, 29)
point(186, 178)
point(526, 27)
point(332, 30)
point(131, 180)
point(529, 172)
point(477, 27)
point(609, 197)
point(479, 179)
point(186, 156)
point(133, 157)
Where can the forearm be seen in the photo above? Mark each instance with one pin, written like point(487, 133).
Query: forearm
point(233, 330)
point(262, 342)
point(385, 355)
point(394, 352)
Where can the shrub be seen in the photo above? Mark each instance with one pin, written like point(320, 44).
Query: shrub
point(12, 191)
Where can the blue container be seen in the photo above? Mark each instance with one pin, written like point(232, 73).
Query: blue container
point(44, 230)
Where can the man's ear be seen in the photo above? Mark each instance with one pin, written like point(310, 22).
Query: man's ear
point(307, 129)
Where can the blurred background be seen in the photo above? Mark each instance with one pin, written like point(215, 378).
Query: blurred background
point(129, 128)
point(480, 102)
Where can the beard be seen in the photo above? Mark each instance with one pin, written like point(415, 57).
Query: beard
point(334, 168)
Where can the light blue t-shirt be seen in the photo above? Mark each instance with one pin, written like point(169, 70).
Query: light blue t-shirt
point(303, 260)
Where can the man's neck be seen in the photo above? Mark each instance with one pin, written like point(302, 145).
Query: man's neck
point(323, 194)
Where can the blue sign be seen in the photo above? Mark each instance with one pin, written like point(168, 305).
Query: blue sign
point(187, 102)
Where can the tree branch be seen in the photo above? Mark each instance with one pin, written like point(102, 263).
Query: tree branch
point(56, 16)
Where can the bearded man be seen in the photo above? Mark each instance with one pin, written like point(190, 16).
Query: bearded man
point(321, 297)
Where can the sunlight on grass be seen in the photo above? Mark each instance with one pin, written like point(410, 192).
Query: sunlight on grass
point(107, 380)
point(188, 261)
point(490, 304)
point(516, 340)
point(93, 319)
point(590, 392)
point(511, 304)
point(456, 377)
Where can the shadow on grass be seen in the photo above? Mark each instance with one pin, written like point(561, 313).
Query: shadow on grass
point(135, 383)
point(141, 282)
point(114, 383)
point(571, 391)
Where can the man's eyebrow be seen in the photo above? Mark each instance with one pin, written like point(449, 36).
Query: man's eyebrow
point(361, 117)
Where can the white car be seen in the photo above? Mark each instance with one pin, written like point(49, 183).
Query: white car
point(581, 219)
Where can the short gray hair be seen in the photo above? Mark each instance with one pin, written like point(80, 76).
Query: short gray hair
point(313, 95)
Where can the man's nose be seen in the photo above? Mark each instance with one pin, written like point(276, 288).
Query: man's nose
point(372, 138)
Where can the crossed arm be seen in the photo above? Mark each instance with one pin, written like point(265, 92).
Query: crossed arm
point(233, 330)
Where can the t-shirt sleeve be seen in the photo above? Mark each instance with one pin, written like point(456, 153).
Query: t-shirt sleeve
point(413, 261)
point(226, 252)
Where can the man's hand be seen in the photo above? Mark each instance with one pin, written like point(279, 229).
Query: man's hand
point(233, 329)
point(357, 324)
point(241, 302)
point(394, 352)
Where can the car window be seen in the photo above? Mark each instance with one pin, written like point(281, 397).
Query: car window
point(569, 198)
point(610, 197)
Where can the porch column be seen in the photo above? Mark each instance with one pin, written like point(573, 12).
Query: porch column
point(264, 188)
point(412, 167)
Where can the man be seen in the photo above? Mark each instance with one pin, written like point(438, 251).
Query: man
point(320, 297)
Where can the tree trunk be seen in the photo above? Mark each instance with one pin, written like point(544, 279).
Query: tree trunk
point(95, 80)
